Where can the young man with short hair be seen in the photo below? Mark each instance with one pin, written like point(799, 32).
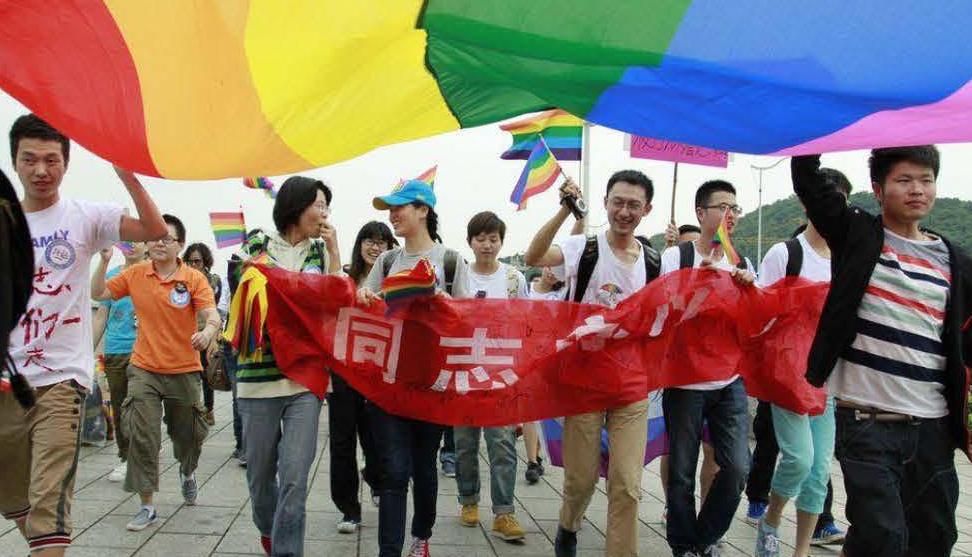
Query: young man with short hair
point(115, 322)
point(613, 265)
point(164, 373)
point(720, 403)
point(489, 278)
point(52, 346)
point(893, 345)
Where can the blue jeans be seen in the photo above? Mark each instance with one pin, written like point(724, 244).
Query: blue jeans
point(448, 452)
point(406, 448)
point(806, 449)
point(501, 448)
point(281, 435)
point(726, 411)
point(902, 487)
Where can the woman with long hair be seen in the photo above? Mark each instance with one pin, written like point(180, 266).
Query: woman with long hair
point(408, 446)
point(347, 410)
point(280, 415)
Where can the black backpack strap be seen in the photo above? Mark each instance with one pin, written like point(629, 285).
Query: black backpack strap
point(652, 260)
point(585, 268)
point(794, 257)
point(686, 255)
point(450, 260)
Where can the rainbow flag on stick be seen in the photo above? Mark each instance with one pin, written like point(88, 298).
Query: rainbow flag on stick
point(723, 239)
point(261, 183)
point(127, 248)
point(228, 228)
point(561, 131)
point(428, 176)
point(538, 175)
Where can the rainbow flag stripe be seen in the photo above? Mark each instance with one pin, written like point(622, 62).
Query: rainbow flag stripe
point(540, 173)
point(723, 238)
point(561, 131)
point(690, 71)
point(228, 228)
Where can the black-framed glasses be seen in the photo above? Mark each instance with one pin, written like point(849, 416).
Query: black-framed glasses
point(723, 207)
point(195, 261)
point(167, 241)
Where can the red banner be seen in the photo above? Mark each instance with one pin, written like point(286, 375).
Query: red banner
point(495, 362)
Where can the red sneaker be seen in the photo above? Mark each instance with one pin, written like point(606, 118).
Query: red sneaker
point(420, 548)
point(265, 542)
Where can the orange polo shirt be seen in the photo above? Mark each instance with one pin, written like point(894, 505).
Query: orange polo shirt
point(166, 313)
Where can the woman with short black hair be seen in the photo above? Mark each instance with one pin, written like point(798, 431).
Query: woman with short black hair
point(280, 416)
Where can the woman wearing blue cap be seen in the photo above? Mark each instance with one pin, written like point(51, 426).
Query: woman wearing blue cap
point(410, 446)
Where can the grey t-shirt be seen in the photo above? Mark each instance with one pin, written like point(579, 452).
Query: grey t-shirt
point(406, 261)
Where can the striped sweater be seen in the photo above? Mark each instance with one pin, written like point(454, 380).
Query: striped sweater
point(897, 360)
point(260, 377)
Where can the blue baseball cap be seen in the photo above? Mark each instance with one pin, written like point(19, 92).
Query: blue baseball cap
point(405, 193)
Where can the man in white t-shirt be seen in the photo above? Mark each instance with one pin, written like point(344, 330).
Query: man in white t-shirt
point(621, 266)
point(721, 403)
point(489, 278)
point(52, 346)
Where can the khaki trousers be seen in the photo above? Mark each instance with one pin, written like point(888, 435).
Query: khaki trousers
point(179, 396)
point(627, 428)
point(39, 449)
point(116, 370)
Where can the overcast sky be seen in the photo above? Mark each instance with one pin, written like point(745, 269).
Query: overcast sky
point(471, 178)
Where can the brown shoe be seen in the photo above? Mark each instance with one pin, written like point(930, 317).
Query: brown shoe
point(507, 528)
point(210, 419)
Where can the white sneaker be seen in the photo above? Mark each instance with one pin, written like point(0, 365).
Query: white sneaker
point(118, 473)
point(348, 526)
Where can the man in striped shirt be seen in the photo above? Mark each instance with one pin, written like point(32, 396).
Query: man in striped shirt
point(892, 347)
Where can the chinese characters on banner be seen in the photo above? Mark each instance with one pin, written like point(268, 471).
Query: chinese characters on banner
point(497, 362)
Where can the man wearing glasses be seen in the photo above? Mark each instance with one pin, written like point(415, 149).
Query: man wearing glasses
point(721, 403)
point(603, 269)
point(165, 365)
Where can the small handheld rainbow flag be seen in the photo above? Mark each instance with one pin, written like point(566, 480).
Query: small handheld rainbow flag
point(428, 176)
point(127, 248)
point(561, 131)
point(539, 174)
point(228, 228)
point(261, 183)
point(723, 239)
point(403, 286)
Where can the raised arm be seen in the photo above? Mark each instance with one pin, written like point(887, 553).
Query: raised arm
point(541, 253)
point(149, 224)
point(98, 327)
point(99, 286)
point(826, 207)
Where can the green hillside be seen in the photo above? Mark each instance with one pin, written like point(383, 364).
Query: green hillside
point(951, 217)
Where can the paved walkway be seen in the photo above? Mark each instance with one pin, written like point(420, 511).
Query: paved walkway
point(221, 525)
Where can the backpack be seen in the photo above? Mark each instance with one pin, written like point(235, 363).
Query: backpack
point(16, 277)
point(588, 260)
point(794, 257)
point(686, 257)
point(450, 261)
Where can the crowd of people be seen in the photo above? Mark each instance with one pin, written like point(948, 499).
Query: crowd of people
point(892, 348)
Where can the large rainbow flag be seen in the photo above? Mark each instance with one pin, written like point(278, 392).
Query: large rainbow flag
point(561, 131)
point(196, 88)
